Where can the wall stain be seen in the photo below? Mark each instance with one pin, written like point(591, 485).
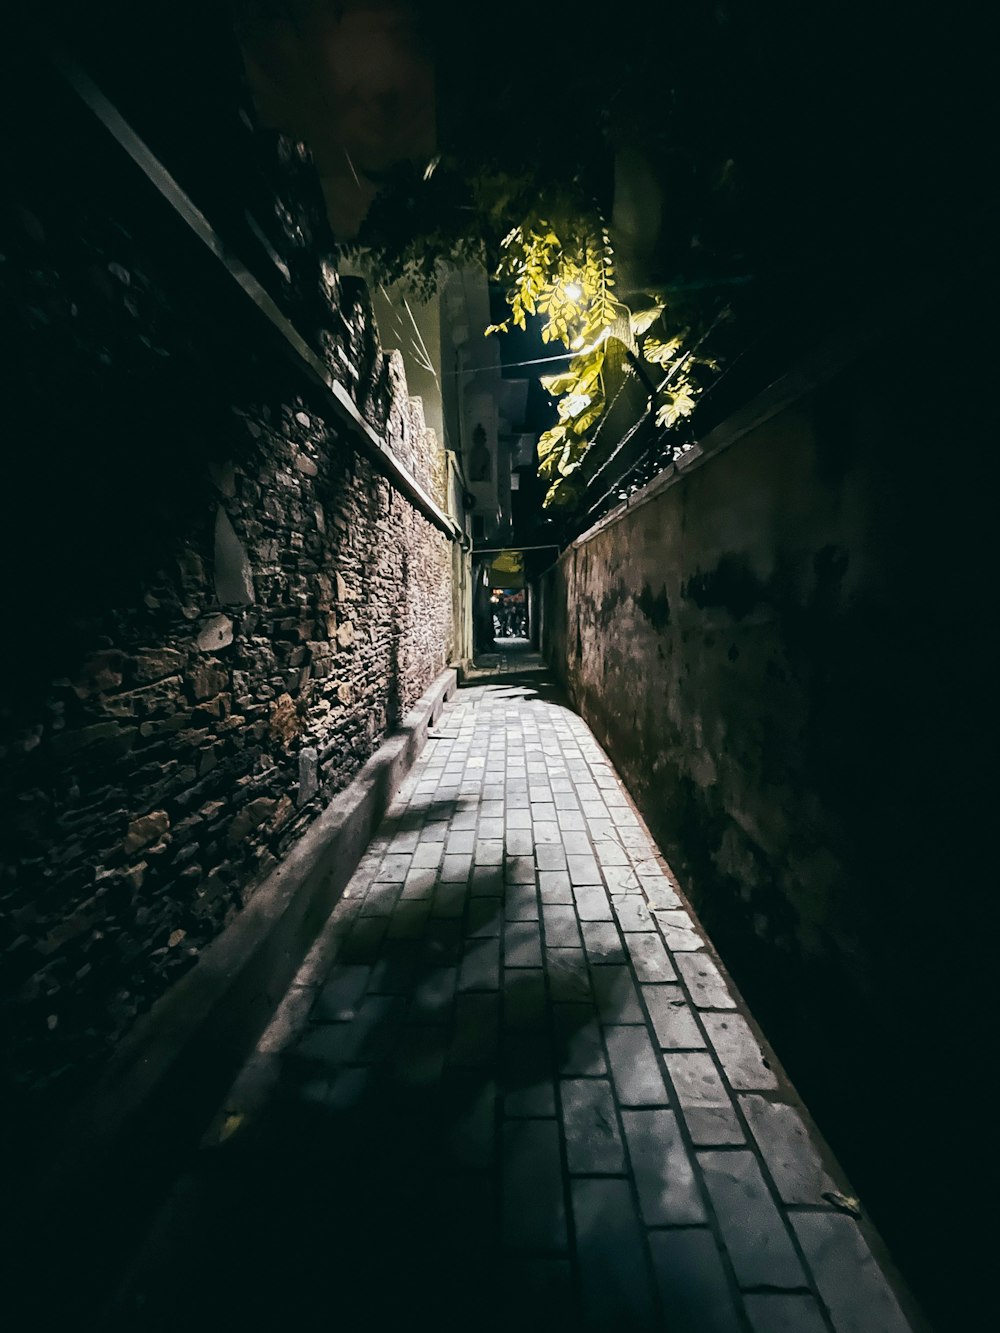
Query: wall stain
point(656, 608)
point(605, 613)
point(732, 584)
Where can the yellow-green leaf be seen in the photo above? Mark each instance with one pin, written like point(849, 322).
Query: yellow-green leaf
point(573, 404)
point(549, 440)
point(660, 353)
point(643, 319)
point(558, 384)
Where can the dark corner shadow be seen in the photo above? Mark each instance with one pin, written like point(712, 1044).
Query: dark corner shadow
point(368, 1189)
point(537, 683)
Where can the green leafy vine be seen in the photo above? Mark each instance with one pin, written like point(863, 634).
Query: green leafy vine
point(566, 273)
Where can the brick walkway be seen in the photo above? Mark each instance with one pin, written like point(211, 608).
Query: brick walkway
point(511, 1088)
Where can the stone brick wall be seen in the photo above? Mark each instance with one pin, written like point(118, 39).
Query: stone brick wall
point(220, 607)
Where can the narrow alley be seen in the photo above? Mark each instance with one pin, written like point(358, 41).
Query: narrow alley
point(511, 1086)
point(496, 784)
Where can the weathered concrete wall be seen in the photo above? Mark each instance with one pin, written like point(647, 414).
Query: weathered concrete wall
point(219, 607)
point(696, 632)
point(784, 653)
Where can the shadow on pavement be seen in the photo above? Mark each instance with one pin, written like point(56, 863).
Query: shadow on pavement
point(368, 1193)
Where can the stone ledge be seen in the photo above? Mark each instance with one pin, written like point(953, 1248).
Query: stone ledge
point(121, 1148)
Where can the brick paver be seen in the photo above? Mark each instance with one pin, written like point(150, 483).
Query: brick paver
point(525, 1082)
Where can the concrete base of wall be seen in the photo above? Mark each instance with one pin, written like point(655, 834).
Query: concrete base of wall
point(118, 1152)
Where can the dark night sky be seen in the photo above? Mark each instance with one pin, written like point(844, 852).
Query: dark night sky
point(519, 346)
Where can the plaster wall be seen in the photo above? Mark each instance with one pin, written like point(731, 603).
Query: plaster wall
point(784, 652)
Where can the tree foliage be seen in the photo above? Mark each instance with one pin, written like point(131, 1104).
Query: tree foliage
point(781, 196)
point(566, 274)
point(533, 201)
point(557, 267)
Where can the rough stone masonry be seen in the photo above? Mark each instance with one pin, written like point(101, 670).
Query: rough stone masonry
point(218, 607)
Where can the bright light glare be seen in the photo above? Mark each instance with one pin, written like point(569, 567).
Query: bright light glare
point(573, 290)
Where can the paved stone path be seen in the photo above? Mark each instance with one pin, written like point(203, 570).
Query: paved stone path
point(511, 1088)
